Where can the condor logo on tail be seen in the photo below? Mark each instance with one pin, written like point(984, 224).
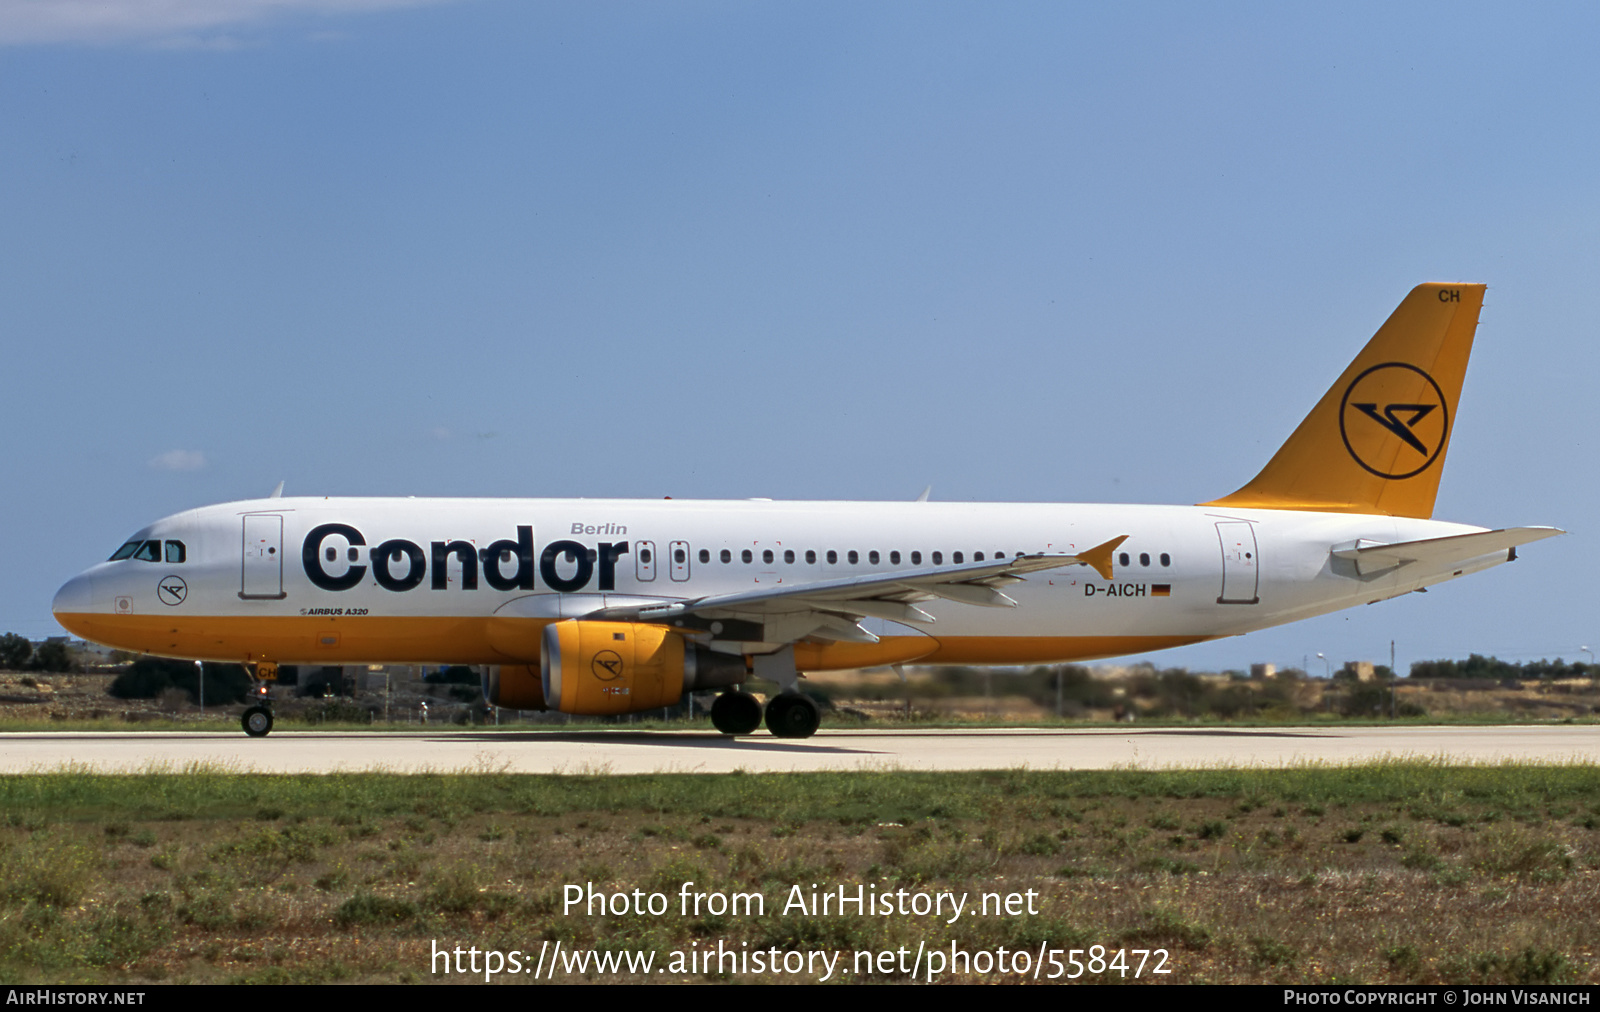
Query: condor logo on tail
point(1395, 400)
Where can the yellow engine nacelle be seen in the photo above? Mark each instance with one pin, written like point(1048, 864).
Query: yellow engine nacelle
point(602, 668)
point(514, 686)
point(610, 667)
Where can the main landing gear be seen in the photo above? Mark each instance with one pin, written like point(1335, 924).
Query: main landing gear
point(736, 712)
point(257, 717)
point(789, 714)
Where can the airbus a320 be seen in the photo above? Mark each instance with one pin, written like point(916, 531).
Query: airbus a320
point(595, 606)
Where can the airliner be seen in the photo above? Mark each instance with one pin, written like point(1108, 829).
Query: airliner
point(611, 606)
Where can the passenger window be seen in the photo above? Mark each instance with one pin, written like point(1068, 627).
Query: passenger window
point(1144, 558)
point(938, 558)
point(916, 558)
point(853, 557)
point(150, 551)
point(1122, 560)
point(811, 557)
point(788, 555)
point(977, 556)
point(726, 556)
point(332, 554)
point(956, 558)
point(872, 557)
point(833, 557)
point(999, 555)
point(645, 555)
point(766, 556)
point(894, 558)
point(705, 556)
point(678, 555)
point(746, 556)
point(1166, 560)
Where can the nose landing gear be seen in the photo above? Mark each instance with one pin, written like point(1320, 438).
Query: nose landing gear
point(257, 721)
point(257, 717)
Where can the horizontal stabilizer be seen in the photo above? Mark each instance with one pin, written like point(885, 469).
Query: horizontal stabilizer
point(1374, 558)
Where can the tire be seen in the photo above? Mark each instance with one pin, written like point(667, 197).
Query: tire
point(257, 721)
point(792, 715)
point(736, 713)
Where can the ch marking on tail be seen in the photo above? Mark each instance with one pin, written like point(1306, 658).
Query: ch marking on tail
point(1399, 400)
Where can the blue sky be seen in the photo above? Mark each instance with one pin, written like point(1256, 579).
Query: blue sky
point(1038, 252)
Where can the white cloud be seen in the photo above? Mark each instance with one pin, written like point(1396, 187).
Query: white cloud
point(179, 460)
point(171, 23)
point(213, 43)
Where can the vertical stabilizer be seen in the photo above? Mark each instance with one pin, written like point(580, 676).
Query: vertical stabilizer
point(1376, 441)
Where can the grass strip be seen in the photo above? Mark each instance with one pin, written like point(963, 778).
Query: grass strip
point(1401, 871)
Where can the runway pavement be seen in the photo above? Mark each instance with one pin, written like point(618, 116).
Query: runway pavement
point(623, 751)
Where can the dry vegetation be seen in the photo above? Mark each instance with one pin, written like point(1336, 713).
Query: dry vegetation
point(37, 701)
point(1111, 693)
point(871, 698)
point(1401, 872)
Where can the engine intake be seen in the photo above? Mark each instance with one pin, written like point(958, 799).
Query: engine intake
point(599, 668)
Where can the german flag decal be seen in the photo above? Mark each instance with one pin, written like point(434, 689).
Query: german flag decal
point(1161, 590)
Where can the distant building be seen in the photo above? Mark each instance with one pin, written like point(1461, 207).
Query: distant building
point(1260, 671)
point(1360, 671)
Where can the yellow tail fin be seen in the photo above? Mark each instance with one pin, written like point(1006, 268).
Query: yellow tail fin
point(1376, 441)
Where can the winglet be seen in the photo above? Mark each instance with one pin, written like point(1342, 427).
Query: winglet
point(1098, 558)
point(277, 493)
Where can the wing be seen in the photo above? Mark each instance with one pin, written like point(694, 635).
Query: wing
point(833, 609)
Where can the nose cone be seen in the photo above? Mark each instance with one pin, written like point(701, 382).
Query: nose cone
point(74, 599)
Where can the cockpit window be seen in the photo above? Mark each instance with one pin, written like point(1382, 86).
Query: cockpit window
point(150, 551)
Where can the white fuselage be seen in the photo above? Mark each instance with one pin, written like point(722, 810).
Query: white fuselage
point(332, 581)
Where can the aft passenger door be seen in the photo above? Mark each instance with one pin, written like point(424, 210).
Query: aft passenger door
point(1240, 563)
